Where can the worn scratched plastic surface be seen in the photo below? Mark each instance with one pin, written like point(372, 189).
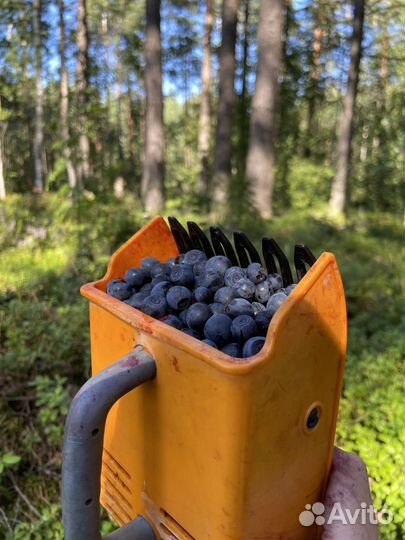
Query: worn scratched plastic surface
point(217, 448)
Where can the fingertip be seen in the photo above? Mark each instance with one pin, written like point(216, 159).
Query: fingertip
point(348, 461)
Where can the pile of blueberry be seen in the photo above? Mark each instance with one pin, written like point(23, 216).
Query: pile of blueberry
point(225, 306)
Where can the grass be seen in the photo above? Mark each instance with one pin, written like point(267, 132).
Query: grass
point(44, 346)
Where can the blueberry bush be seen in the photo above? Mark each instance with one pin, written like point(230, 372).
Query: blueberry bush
point(50, 246)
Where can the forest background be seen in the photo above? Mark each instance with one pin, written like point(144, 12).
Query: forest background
point(277, 117)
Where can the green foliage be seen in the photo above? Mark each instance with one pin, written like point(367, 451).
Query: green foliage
point(47, 527)
point(372, 424)
point(51, 400)
point(9, 459)
point(307, 184)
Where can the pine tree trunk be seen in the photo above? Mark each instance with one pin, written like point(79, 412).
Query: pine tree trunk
point(39, 102)
point(260, 169)
point(381, 88)
point(82, 83)
point(152, 188)
point(338, 197)
point(64, 99)
point(314, 78)
point(205, 106)
point(118, 103)
point(226, 98)
point(243, 117)
point(133, 143)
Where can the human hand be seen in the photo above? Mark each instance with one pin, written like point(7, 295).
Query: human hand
point(348, 486)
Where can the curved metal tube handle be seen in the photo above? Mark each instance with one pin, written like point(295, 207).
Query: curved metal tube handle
point(83, 447)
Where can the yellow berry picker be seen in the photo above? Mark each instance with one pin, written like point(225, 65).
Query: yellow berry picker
point(181, 441)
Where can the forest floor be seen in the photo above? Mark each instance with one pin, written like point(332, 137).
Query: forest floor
point(50, 246)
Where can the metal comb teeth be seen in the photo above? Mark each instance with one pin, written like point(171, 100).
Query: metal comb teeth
point(242, 252)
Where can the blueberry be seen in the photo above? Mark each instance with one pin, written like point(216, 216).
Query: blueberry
point(275, 302)
point(219, 264)
point(171, 261)
point(253, 346)
point(238, 306)
point(290, 288)
point(257, 308)
point(262, 321)
point(233, 349)
point(178, 297)
point(159, 279)
point(119, 289)
point(135, 277)
point(137, 300)
point(210, 343)
point(216, 307)
point(213, 280)
point(202, 294)
point(173, 321)
point(161, 269)
point(243, 328)
point(263, 292)
point(218, 329)
point(191, 332)
point(244, 288)
point(182, 274)
point(199, 269)
point(194, 256)
point(197, 316)
point(180, 258)
point(148, 262)
point(161, 288)
point(155, 306)
point(256, 273)
point(234, 274)
point(183, 316)
point(276, 282)
point(224, 295)
point(146, 288)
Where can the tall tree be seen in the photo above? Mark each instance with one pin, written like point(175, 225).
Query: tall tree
point(381, 89)
point(226, 98)
point(243, 117)
point(82, 85)
point(64, 99)
point(2, 132)
point(39, 102)
point(152, 187)
point(313, 87)
point(338, 197)
point(260, 167)
point(205, 106)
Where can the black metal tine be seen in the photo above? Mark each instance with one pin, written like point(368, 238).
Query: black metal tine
point(222, 245)
point(180, 235)
point(199, 239)
point(302, 255)
point(285, 269)
point(243, 247)
point(268, 256)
